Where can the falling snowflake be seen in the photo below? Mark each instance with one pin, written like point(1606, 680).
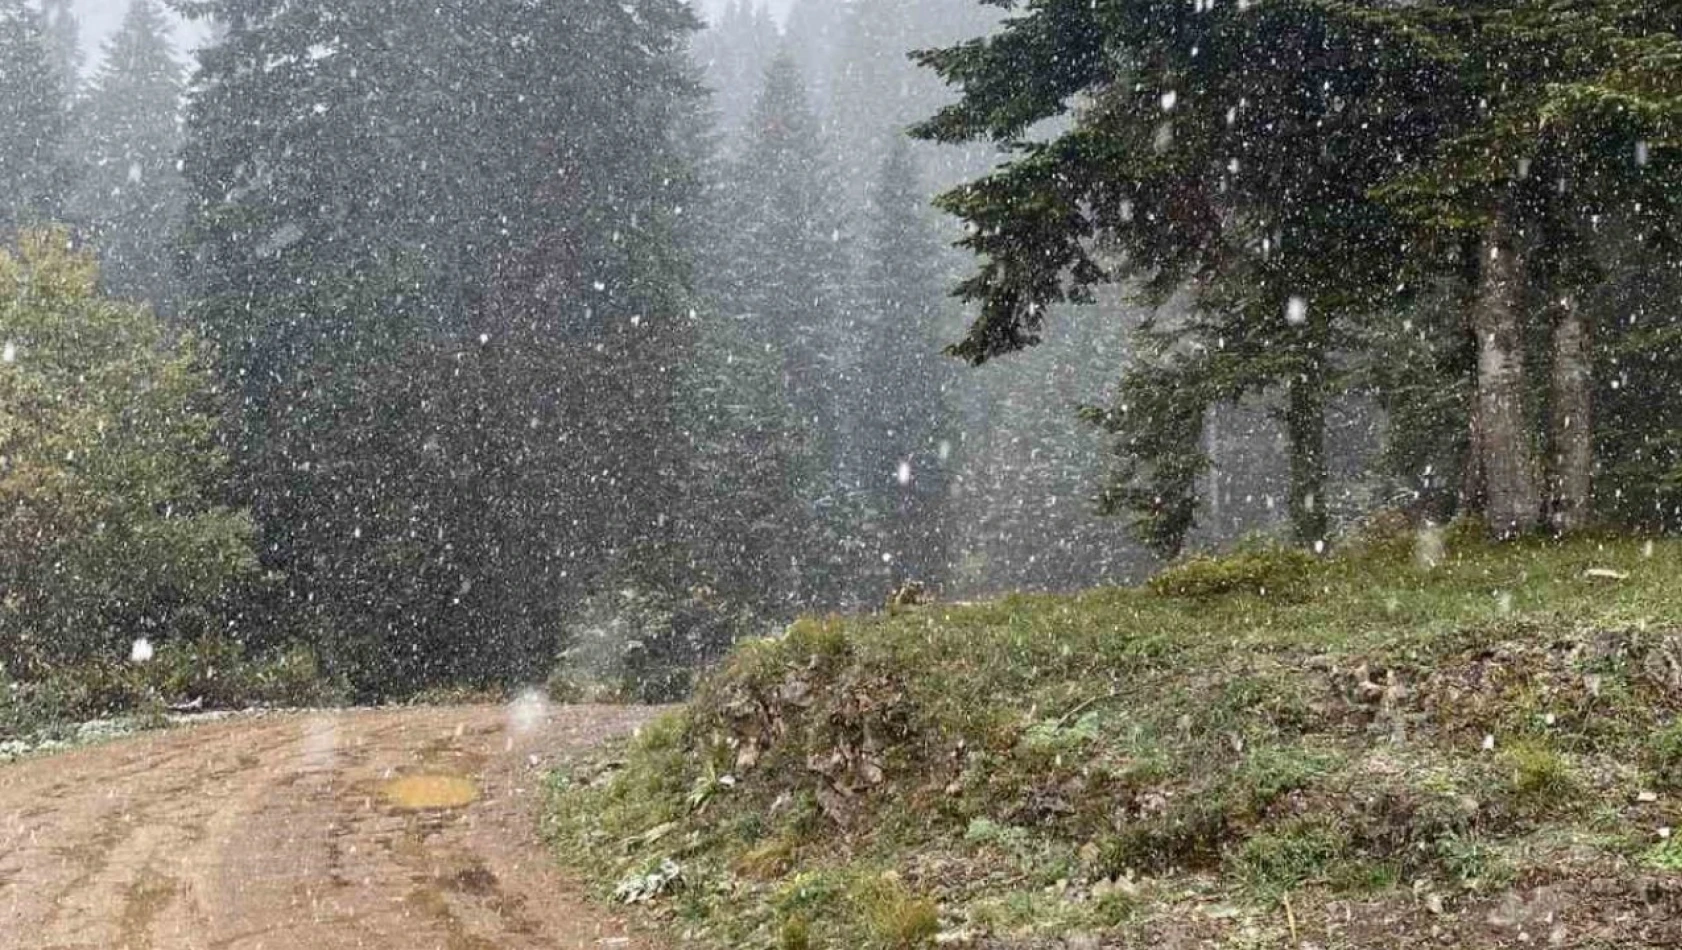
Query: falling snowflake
point(1296, 311)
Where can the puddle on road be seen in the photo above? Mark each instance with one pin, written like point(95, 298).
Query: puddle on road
point(428, 792)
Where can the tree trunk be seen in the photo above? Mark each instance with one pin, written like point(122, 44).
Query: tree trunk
point(1502, 438)
point(1573, 431)
point(1305, 424)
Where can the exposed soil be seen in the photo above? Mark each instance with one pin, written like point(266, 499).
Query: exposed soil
point(302, 831)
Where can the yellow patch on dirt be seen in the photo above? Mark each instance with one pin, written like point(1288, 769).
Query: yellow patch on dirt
point(424, 792)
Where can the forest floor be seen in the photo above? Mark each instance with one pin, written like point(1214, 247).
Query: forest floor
point(408, 828)
point(1423, 741)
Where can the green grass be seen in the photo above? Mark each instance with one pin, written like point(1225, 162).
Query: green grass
point(1102, 762)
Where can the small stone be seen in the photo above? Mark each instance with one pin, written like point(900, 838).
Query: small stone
point(1647, 798)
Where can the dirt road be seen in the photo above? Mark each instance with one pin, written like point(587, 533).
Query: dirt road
point(369, 830)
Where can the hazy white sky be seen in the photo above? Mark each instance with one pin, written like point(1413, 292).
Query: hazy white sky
point(780, 7)
point(100, 17)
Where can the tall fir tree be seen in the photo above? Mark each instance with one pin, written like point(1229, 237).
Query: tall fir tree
point(129, 194)
point(812, 38)
point(734, 53)
point(785, 274)
point(876, 91)
point(1228, 151)
point(902, 436)
point(34, 120)
point(451, 301)
point(1562, 119)
point(64, 43)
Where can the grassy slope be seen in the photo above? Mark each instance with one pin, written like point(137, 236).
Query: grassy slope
point(1309, 767)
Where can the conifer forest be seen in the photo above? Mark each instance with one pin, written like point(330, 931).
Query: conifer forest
point(359, 348)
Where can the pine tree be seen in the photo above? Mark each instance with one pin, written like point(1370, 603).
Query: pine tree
point(812, 39)
point(1229, 150)
point(1020, 506)
point(64, 43)
point(734, 54)
point(33, 120)
point(1561, 118)
point(876, 91)
point(129, 195)
point(451, 300)
point(902, 438)
point(784, 273)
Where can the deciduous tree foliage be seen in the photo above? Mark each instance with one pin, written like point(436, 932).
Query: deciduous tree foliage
point(110, 523)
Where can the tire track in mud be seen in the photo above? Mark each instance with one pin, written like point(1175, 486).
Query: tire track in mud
point(276, 832)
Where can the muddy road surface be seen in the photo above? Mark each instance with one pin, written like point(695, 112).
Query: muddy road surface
point(413, 829)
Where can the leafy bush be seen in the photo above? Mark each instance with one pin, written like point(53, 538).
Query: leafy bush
point(206, 674)
point(1262, 571)
point(108, 518)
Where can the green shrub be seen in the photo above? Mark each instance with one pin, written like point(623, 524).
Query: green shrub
point(1664, 856)
point(1269, 772)
point(295, 677)
point(1356, 875)
point(570, 686)
point(210, 673)
point(1263, 571)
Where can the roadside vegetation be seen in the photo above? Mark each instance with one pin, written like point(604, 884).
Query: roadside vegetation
point(112, 534)
point(1426, 739)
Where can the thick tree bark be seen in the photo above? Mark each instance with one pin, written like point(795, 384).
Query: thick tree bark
point(1305, 424)
point(1573, 429)
point(1502, 439)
